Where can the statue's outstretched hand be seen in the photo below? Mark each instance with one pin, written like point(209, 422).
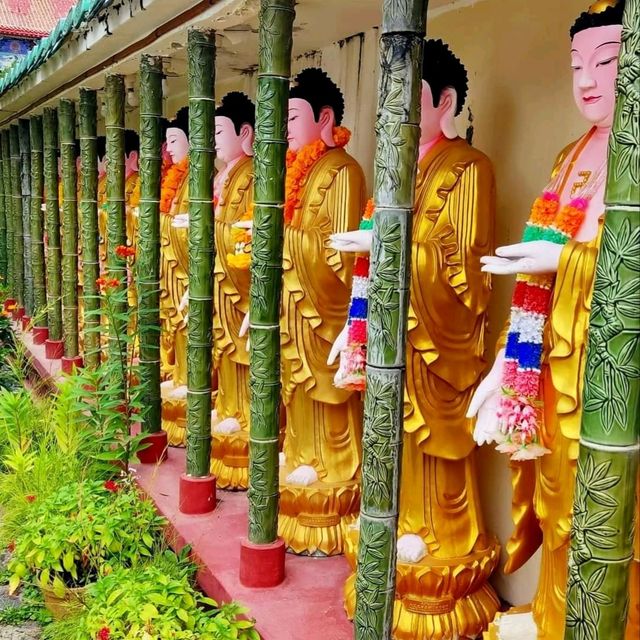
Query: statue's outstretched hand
point(539, 256)
point(484, 404)
point(339, 344)
point(352, 241)
point(244, 328)
point(181, 221)
point(244, 224)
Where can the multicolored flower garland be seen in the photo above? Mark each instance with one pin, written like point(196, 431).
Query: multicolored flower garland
point(520, 409)
point(299, 164)
point(171, 182)
point(351, 373)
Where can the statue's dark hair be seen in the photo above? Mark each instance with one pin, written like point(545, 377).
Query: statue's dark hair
point(101, 143)
point(131, 141)
point(181, 121)
point(441, 69)
point(320, 91)
point(587, 20)
point(239, 109)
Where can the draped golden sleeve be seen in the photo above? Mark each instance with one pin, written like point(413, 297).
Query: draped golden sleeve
point(324, 423)
point(230, 452)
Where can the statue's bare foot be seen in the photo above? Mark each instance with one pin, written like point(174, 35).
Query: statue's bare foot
point(411, 548)
point(227, 426)
point(303, 475)
point(178, 393)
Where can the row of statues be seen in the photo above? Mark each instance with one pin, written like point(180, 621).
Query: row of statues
point(445, 552)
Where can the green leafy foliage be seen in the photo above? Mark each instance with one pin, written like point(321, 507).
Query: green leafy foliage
point(30, 609)
point(83, 531)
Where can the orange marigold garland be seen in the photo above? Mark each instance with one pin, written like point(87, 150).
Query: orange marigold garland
point(299, 165)
point(172, 181)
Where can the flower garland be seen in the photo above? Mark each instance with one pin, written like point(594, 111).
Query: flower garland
point(351, 373)
point(299, 164)
point(520, 410)
point(172, 181)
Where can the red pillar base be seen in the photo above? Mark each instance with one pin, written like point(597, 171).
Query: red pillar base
point(156, 451)
point(9, 302)
point(40, 335)
point(197, 495)
point(25, 321)
point(261, 565)
point(53, 349)
point(69, 364)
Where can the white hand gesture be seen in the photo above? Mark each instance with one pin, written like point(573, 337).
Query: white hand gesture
point(352, 241)
point(539, 256)
point(181, 221)
point(244, 224)
point(339, 345)
point(484, 404)
point(244, 329)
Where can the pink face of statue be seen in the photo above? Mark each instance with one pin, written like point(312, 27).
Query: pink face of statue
point(228, 142)
point(177, 144)
point(430, 116)
point(594, 60)
point(131, 163)
point(303, 128)
point(102, 165)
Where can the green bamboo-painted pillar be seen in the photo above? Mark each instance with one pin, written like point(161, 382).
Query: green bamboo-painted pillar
point(148, 259)
point(201, 55)
point(274, 70)
point(37, 223)
point(3, 226)
point(54, 251)
point(16, 209)
point(8, 208)
point(397, 129)
point(116, 217)
point(605, 495)
point(25, 189)
point(88, 214)
point(67, 124)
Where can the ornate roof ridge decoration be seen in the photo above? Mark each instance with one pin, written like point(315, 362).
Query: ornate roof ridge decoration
point(81, 13)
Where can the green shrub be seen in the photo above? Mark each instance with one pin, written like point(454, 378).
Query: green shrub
point(84, 531)
point(152, 604)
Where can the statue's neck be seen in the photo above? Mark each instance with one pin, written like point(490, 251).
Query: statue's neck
point(223, 175)
point(425, 147)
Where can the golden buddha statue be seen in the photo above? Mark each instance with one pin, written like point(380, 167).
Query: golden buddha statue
point(445, 555)
point(174, 274)
point(544, 471)
point(233, 195)
point(325, 191)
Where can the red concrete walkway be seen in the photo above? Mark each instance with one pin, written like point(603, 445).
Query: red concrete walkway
point(306, 606)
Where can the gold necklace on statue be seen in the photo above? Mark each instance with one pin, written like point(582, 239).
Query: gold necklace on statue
point(580, 184)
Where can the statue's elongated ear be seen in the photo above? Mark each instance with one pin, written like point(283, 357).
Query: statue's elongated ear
point(246, 139)
point(327, 120)
point(448, 105)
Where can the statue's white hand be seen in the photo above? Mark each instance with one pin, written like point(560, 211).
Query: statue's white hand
point(181, 221)
point(244, 224)
point(244, 329)
point(539, 256)
point(339, 344)
point(184, 303)
point(352, 241)
point(484, 404)
point(136, 212)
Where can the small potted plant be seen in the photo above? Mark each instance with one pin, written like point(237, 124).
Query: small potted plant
point(80, 533)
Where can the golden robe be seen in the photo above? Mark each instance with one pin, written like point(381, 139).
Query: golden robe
point(323, 423)
point(174, 280)
point(231, 359)
point(447, 591)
